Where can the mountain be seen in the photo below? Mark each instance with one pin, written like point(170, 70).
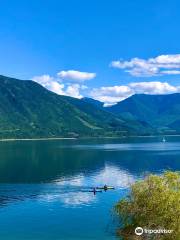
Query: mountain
point(160, 111)
point(28, 110)
point(93, 101)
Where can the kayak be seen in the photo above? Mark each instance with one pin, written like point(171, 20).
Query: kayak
point(95, 191)
point(105, 188)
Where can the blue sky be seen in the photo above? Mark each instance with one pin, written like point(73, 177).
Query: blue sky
point(108, 50)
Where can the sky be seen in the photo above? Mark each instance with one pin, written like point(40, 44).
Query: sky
point(107, 50)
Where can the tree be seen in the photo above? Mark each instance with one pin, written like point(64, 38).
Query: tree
point(153, 203)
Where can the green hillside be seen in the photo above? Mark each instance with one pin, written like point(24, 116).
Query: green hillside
point(160, 111)
point(93, 101)
point(27, 110)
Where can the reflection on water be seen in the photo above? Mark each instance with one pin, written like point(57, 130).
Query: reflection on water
point(37, 162)
point(154, 146)
point(52, 181)
point(69, 191)
point(112, 175)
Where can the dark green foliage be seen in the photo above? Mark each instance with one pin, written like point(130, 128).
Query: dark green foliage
point(93, 101)
point(28, 110)
point(162, 112)
point(153, 203)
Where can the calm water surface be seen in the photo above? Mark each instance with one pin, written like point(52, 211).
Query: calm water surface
point(44, 185)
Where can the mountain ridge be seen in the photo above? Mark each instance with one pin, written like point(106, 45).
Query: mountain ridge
point(160, 111)
point(28, 110)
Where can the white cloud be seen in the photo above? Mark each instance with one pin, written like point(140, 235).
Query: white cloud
point(171, 72)
point(160, 65)
point(114, 94)
point(74, 90)
point(153, 87)
point(76, 75)
point(167, 59)
point(50, 83)
point(43, 79)
point(111, 95)
point(55, 85)
point(63, 85)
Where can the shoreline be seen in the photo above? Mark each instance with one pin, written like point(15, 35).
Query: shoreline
point(68, 138)
point(34, 139)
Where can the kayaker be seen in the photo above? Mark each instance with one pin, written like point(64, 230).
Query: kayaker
point(94, 190)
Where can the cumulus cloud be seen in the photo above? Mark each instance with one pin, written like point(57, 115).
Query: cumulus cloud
point(76, 75)
point(69, 83)
point(160, 65)
point(171, 72)
point(74, 90)
point(55, 85)
point(114, 94)
point(50, 83)
point(111, 95)
point(153, 87)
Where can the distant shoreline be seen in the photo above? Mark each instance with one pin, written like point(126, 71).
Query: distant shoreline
point(34, 139)
point(68, 138)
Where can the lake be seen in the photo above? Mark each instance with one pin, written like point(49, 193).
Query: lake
point(44, 185)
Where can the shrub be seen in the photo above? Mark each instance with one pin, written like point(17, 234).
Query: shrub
point(153, 203)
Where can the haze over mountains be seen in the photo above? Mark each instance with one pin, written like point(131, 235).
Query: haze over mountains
point(27, 110)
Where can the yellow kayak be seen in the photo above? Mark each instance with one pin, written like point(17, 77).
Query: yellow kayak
point(105, 188)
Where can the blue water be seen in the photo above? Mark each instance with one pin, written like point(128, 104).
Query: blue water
point(44, 186)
